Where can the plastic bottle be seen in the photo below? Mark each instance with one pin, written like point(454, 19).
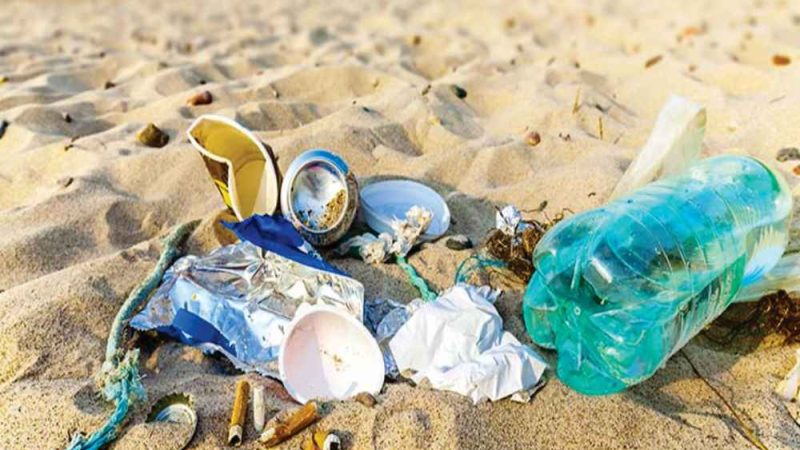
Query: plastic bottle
point(619, 289)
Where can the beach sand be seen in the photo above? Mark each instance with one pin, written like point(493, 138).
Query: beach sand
point(84, 204)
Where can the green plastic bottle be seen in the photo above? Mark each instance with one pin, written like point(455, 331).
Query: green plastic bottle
point(619, 289)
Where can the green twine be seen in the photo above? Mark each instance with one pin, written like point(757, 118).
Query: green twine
point(416, 280)
point(120, 379)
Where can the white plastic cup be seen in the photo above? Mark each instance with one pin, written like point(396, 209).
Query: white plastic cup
point(327, 354)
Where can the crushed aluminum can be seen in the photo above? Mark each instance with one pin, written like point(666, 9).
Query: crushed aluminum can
point(238, 299)
point(319, 196)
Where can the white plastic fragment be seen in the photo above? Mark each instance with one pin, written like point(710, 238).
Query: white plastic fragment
point(457, 343)
point(405, 234)
point(788, 387)
point(673, 145)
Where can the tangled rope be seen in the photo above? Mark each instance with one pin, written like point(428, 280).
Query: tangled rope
point(119, 377)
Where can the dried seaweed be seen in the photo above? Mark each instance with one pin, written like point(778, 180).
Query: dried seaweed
point(776, 313)
point(517, 251)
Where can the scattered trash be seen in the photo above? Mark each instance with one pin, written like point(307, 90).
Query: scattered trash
point(289, 423)
point(259, 407)
point(790, 384)
point(458, 242)
point(241, 166)
point(238, 413)
point(366, 399)
point(176, 408)
point(319, 196)
point(152, 136)
point(239, 299)
point(329, 355)
point(788, 154)
point(322, 440)
point(200, 98)
point(458, 91)
point(620, 288)
point(457, 343)
point(386, 201)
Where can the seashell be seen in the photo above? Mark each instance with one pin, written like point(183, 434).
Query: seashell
point(319, 196)
point(176, 408)
point(385, 201)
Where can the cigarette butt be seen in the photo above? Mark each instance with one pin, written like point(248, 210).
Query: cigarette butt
point(259, 408)
point(236, 429)
point(282, 430)
point(322, 440)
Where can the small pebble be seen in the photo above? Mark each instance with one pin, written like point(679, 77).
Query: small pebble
point(152, 136)
point(66, 117)
point(3, 79)
point(787, 154)
point(3, 126)
point(426, 89)
point(458, 91)
point(652, 61)
point(781, 60)
point(796, 170)
point(366, 399)
point(200, 98)
point(109, 85)
point(458, 242)
point(533, 138)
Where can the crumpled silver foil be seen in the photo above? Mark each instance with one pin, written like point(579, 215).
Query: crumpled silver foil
point(238, 299)
point(383, 317)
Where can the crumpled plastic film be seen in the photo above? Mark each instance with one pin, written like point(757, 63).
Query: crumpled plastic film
point(457, 343)
point(238, 299)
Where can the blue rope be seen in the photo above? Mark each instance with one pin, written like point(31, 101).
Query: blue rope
point(416, 280)
point(120, 380)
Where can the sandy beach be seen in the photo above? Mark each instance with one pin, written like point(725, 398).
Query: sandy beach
point(560, 95)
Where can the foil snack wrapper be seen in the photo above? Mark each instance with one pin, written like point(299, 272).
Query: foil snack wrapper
point(238, 299)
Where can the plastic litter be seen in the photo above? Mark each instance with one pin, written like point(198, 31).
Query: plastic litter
point(329, 355)
point(457, 343)
point(322, 440)
point(259, 407)
point(239, 299)
point(319, 196)
point(619, 289)
point(383, 317)
point(384, 202)
point(241, 166)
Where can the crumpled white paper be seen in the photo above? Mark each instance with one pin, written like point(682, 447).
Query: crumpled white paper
point(788, 387)
point(457, 343)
